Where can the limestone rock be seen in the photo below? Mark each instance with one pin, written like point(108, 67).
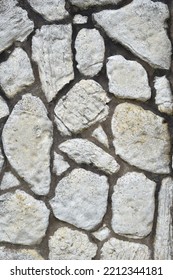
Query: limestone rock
point(127, 79)
point(9, 181)
point(16, 73)
point(83, 106)
point(19, 254)
point(67, 244)
point(79, 19)
point(86, 4)
point(23, 219)
point(133, 205)
point(4, 111)
point(90, 50)
point(27, 139)
point(1, 159)
point(141, 138)
point(84, 151)
point(141, 27)
point(101, 136)
point(102, 234)
point(81, 199)
point(59, 164)
point(51, 50)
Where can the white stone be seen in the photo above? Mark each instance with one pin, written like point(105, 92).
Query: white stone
point(68, 244)
point(79, 19)
point(141, 27)
point(84, 151)
point(27, 139)
point(59, 164)
point(133, 205)
point(16, 73)
point(86, 4)
point(90, 50)
point(81, 199)
point(141, 138)
point(101, 136)
point(115, 249)
point(163, 243)
point(4, 110)
point(50, 9)
point(102, 234)
point(9, 181)
point(19, 254)
point(23, 219)
point(1, 159)
point(164, 98)
point(51, 50)
point(14, 24)
point(83, 106)
point(127, 79)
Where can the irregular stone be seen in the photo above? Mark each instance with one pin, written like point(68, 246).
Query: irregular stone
point(141, 27)
point(163, 243)
point(164, 98)
point(101, 136)
point(14, 24)
point(79, 19)
point(51, 50)
point(127, 79)
point(86, 4)
point(102, 234)
point(59, 164)
point(16, 73)
point(84, 151)
point(26, 134)
point(141, 138)
point(1, 159)
point(4, 110)
point(83, 106)
point(23, 219)
point(90, 50)
point(50, 9)
point(9, 181)
point(19, 254)
point(115, 249)
point(133, 205)
point(67, 244)
point(81, 199)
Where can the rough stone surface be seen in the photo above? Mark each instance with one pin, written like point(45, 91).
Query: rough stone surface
point(81, 199)
point(67, 244)
point(83, 106)
point(4, 111)
point(51, 49)
point(16, 73)
point(9, 181)
point(84, 151)
point(133, 205)
point(59, 164)
point(1, 160)
point(103, 233)
point(26, 134)
point(79, 19)
point(23, 219)
point(89, 3)
point(90, 50)
point(19, 254)
point(127, 79)
point(101, 136)
point(141, 27)
point(141, 138)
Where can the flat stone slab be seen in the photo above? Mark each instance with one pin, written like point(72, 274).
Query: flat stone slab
point(80, 19)
point(102, 233)
point(59, 164)
point(19, 254)
point(4, 110)
point(9, 181)
point(89, 3)
point(101, 136)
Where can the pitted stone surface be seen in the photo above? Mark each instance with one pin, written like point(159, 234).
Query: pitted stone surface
point(26, 134)
point(23, 219)
point(67, 244)
point(4, 110)
point(59, 164)
point(81, 199)
point(9, 181)
point(101, 136)
point(141, 138)
point(19, 254)
point(86, 4)
point(79, 19)
point(51, 50)
point(103, 233)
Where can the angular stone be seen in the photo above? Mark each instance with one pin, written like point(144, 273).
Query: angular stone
point(14, 24)
point(67, 244)
point(127, 79)
point(9, 181)
point(4, 110)
point(16, 73)
point(133, 205)
point(101, 136)
point(141, 27)
point(81, 199)
point(27, 139)
point(86, 4)
point(90, 50)
point(163, 243)
point(19, 254)
point(23, 219)
point(1, 159)
point(51, 50)
point(102, 234)
point(79, 19)
point(84, 151)
point(141, 138)
point(59, 164)
point(115, 249)
point(83, 106)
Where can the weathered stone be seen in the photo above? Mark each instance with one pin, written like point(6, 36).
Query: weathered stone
point(141, 138)
point(101, 136)
point(89, 3)
point(127, 79)
point(16, 73)
point(59, 164)
point(83, 106)
point(1, 159)
point(102, 234)
point(4, 111)
point(51, 49)
point(14, 24)
point(9, 181)
point(90, 51)
point(67, 244)
point(79, 19)
point(27, 139)
point(84, 151)
point(115, 249)
point(81, 199)
point(19, 254)
point(141, 27)
point(163, 244)
point(133, 205)
point(23, 219)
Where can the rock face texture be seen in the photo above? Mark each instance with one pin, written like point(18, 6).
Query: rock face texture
point(89, 3)
point(4, 111)
point(101, 136)
point(9, 181)
point(60, 165)
point(21, 254)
